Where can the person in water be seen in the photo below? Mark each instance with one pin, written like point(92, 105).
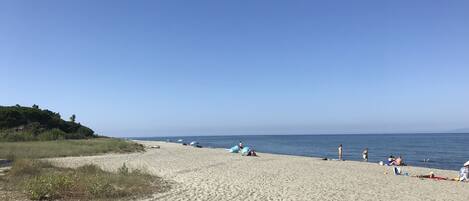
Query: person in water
point(340, 149)
point(365, 154)
point(240, 145)
point(464, 172)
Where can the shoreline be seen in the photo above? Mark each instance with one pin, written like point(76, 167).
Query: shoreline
point(215, 174)
point(305, 155)
point(456, 172)
point(293, 155)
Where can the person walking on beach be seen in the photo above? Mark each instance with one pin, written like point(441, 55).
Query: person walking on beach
point(340, 152)
point(365, 154)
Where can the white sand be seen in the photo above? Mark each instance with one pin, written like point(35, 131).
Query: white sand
point(215, 174)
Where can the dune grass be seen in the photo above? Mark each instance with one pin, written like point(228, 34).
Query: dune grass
point(62, 148)
point(39, 180)
point(30, 178)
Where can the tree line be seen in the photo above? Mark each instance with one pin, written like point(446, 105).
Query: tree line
point(19, 123)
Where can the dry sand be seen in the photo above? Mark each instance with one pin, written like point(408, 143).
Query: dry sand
point(215, 174)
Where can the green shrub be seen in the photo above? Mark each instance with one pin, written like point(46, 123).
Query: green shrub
point(89, 169)
point(19, 123)
point(35, 128)
point(48, 187)
point(61, 148)
point(123, 170)
point(53, 134)
point(84, 131)
point(42, 181)
point(10, 135)
point(101, 187)
point(25, 167)
point(74, 136)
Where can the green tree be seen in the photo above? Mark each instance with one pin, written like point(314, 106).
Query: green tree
point(28, 123)
point(72, 118)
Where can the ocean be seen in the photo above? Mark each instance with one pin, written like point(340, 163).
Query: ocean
point(443, 151)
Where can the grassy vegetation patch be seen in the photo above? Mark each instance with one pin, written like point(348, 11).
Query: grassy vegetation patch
point(61, 148)
point(40, 180)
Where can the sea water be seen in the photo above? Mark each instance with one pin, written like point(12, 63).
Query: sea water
point(442, 151)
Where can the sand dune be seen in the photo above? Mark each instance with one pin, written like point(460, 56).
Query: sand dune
point(214, 174)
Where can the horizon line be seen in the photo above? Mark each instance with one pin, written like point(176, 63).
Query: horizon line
point(406, 133)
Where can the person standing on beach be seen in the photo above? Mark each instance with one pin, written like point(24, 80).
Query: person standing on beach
point(365, 154)
point(340, 152)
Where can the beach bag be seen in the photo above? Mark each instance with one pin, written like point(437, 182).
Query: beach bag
point(234, 149)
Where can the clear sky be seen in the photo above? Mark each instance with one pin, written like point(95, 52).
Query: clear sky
point(152, 68)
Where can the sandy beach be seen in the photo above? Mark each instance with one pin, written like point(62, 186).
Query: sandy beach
point(215, 174)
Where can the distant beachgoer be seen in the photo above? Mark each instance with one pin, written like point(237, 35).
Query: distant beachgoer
point(365, 154)
point(391, 160)
point(252, 153)
point(399, 161)
point(397, 171)
point(340, 152)
point(240, 145)
point(464, 172)
point(431, 176)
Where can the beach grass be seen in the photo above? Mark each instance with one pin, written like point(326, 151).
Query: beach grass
point(62, 148)
point(35, 179)
point(39, 180)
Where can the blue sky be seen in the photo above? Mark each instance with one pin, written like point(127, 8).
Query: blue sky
point(152, 68)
